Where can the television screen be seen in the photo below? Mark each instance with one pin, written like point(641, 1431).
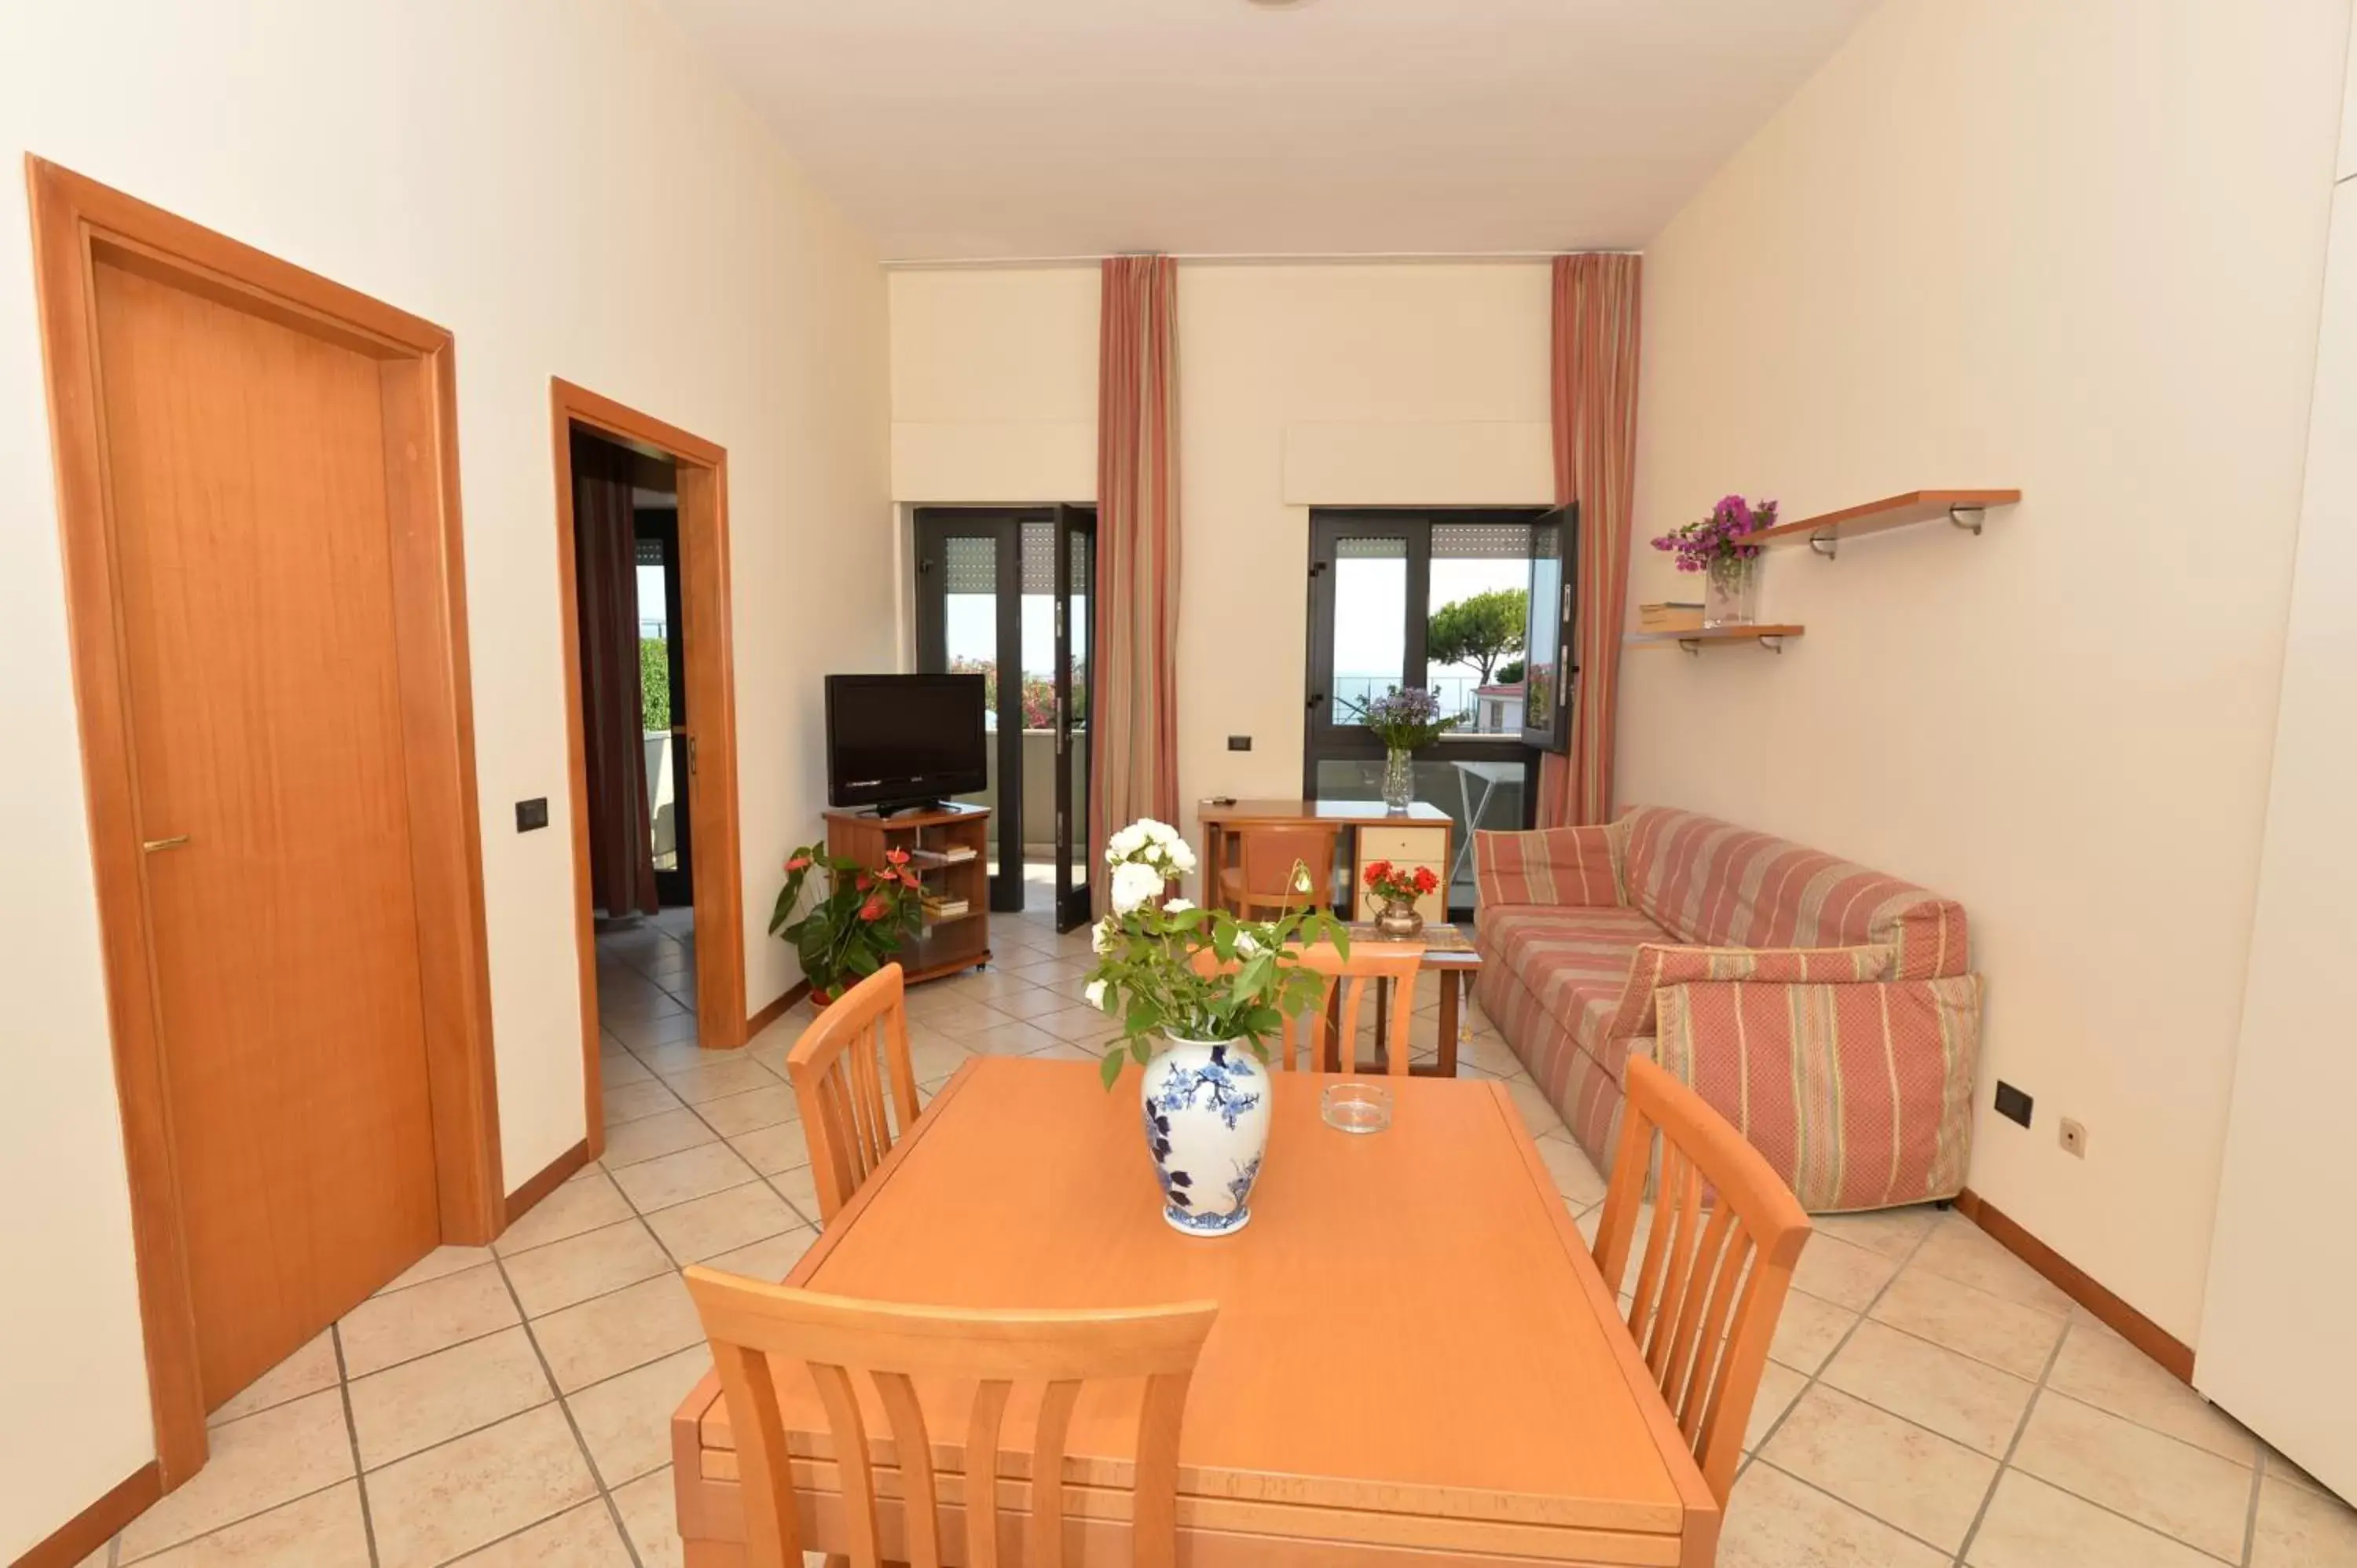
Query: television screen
point(894, 740)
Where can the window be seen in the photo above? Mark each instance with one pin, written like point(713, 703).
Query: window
point(1434, 599)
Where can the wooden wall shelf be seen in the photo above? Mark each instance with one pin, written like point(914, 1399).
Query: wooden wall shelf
point(1824, 532)
point(1771, 637)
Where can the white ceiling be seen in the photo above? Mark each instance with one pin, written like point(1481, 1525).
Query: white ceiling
point(1001, 128)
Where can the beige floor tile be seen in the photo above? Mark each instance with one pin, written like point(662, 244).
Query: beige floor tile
point(618, 1068)
point(2032, 1525)
point(2299, 1528)
point(650, 1514)
point(1809, 1331)
point(592, 1263)
point(585, 1203)
point(676, 1178)
point(1079, 1024)
point(435, 1264)
point(2178, 1490)
point(403, 1408)
point(652, 1137)
point(307, 1371)
point(720, 1079)
point(1066, 1051)
point(654, 1030)
point(1031, 1002)
point(1898, 1472)
point(1841, 1272)
point(773, 1149)
point(387, 1329)
point(631, 1101)
point(1575, 1177)
point(799, 1187)
point(937, 1058)
point(706, 1226)
point(1538, 1115)
point(1776, 1521)
point(322, 1530)
point(1779, 1386)
point(581, 1537)
point(1954, 1395)
point(626, 1421)
point(1893, 1232)
point(2099, 1368)
point(1962, 1250)
point(598, 1339)
point(734, 1114)
point(271, 1458)
point(431, 1507)
point(1987, 1327)
point(681, 1057)
point(772, 1260)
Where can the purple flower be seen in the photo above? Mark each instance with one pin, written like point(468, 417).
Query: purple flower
point(1721, 536)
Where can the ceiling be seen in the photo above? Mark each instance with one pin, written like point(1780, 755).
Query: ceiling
point(957, 129)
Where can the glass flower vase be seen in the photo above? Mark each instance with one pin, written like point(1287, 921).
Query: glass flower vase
point(1399, 779)
point(1731, 592)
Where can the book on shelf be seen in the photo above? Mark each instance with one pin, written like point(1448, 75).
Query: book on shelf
point(944, 909)
point(1669, 618)
point(956, 855)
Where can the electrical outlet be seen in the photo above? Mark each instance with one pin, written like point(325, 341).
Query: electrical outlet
point(2074, 1138)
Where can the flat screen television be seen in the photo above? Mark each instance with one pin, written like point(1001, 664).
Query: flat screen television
point(904, 740)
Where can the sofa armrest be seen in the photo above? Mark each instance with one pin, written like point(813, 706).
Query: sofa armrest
point(1860, 1095)
point(1567, 867)
point(1659, 965)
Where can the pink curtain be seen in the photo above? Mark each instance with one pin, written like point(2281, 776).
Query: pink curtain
point(1134, 769)
point(1595, 396)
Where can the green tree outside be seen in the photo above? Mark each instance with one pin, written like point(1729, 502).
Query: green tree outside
point(654, 683)
point(1478, 630)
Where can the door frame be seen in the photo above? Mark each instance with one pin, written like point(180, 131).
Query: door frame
point(76, 223)
point(718, 874)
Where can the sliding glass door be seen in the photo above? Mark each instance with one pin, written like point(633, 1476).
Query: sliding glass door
point(1007, 592)
point(1435, 599)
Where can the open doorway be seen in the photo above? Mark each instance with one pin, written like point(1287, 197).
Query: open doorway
point(643, 525)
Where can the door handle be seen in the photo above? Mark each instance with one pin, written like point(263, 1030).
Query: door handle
point(175, 841)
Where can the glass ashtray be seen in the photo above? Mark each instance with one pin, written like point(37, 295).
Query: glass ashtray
point(1356, 1106)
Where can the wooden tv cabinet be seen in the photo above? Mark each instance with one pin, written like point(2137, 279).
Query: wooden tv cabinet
point(951, 847)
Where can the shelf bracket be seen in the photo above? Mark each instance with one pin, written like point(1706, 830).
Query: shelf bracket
point(1772, 644)
point(1825, 543)
point(1967, 517)
point(1693, 645)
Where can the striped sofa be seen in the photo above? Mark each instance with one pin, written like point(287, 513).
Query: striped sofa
point(1825, 1009)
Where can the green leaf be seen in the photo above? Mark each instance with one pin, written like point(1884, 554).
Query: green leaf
point(1138, 1048)
point(1109, 1069)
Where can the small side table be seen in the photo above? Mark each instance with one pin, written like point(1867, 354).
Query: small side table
point(1451, 958)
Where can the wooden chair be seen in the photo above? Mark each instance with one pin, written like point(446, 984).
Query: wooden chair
point(1709, 1288)
point(1336, 1016)
point(748, 1322)
point(1262, 880)
point(840, 1090)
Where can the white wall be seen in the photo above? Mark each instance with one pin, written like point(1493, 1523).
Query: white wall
point(1299, 385)
point(562, 184)
point(2076, 249)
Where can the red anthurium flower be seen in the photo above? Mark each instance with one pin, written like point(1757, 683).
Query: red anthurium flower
point(873, 909)
point(897, 856)
point(798, 863)
point(863, 882)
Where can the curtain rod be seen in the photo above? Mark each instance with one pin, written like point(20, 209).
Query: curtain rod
point(1246, 258)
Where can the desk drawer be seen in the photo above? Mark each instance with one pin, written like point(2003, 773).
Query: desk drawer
point(1408, 848)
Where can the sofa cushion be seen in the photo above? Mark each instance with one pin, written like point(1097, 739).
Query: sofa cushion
point(1573, 959)
point(1578, 866)
point(1716, 884)
point(1860, 1096)
point(1656, 965)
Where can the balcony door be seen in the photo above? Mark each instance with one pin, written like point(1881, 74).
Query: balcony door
point(1009, 594)
point(1440, 600)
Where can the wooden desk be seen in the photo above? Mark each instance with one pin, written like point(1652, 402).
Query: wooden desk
point(1418, 836)
point(1415, 1361)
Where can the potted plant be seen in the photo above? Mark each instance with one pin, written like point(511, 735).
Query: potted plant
point(1199, 994)
point(1398, 890)
point(1408, 720)
point(852, 930)
point(1715, 545)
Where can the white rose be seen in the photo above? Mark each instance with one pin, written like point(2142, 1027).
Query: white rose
point(1094, 992)
point(1104, 934)
point(1135, 887)
point(1177, 906)
point(1128, 841)
point(1160, 833)
point(1301, 880)
point(1247, 945)
point(1181, 857)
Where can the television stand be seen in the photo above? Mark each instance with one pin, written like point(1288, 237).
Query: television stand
point(949, 848)
point(916, 808)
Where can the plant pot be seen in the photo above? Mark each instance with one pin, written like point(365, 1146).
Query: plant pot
point(1204, 1105)
point(1731, 592)
point(1399, 780)
point(1399, 919)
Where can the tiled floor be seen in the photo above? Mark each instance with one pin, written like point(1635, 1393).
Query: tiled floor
point(1930, 1400)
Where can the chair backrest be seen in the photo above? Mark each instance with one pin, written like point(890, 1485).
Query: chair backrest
point(1267, 856)
point(840, 1086)
point(1710, 1287)
point(1342, 1002)
point(837, 1338)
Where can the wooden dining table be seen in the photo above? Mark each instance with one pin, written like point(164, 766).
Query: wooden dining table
point(1415, 1361)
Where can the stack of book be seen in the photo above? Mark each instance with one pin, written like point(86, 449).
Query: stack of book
point(956, 855)
point(1669, 618)
point(938, 907)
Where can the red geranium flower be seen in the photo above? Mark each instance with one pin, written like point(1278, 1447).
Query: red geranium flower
point(873, 909)
point(1377, 871)
point(1424, 880)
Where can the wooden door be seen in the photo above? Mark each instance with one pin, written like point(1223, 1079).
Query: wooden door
point(247, 463)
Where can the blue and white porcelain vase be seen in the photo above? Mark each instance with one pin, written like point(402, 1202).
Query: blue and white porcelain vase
point(1206, 1108)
